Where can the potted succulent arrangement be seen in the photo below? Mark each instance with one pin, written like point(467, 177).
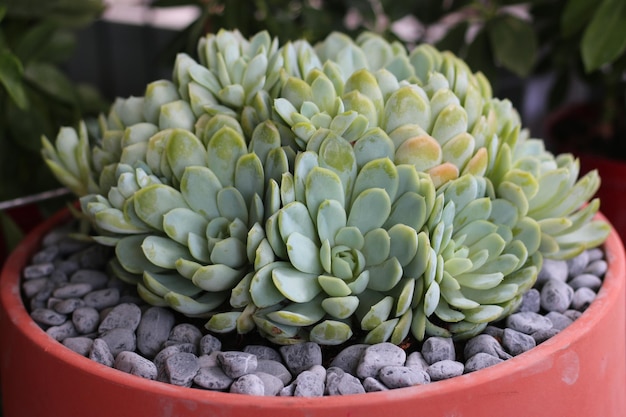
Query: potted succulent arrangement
point(342, 195)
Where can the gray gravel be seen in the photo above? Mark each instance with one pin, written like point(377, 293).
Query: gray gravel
point(97, 316)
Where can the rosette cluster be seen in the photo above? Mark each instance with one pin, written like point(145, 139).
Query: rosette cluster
point(350, 190)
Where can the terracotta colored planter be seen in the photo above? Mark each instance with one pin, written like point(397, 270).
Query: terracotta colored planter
point(580, 372)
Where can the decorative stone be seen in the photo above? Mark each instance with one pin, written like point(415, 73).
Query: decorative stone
point(33, 286)
point(48, 317)
point(559, 321)
point(62, 331)
point(249, 385)
point(402, 376)
point(185, 333)
point(528, 322)
point(577, 264)
point(181, 368)
point(349, 357)
point(480, 361)
point(212, 378)
point(415, 360)
point(72, 290)
point(583, 297)
point(517, 342)
point(209, 344)
point(159, 359)
point(376, 357)
point(373, 385)
point(81, 345)
point(120, 340)
point(437, 349)
point(486, 344)
point(46, 255)
point(263, 352)
point(134, 364)
point(339, 382)
point(309, 384)
point(302, 356)
point(275, 368)
point(235, 364)
point(531, 301)
point(556, 296)
point(597, 268)
point(122, 316)
point(38, 270)
point(445, 369)
point(589, 281)
point(68, 306)
point(86, 320)
point(543, 335)
point(271, 384)
point(101, 299)
point(101, 353)
point(552, 269)
point(154, 329)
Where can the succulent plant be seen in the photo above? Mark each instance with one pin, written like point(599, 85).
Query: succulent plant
point(346, 190)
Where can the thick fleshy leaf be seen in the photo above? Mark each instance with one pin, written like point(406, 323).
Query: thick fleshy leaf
point(164, 252)
point(249, 176)
point(153, 202)
point(377, 313)
point(403, 243)
point(480, 281)
point(376, 247)
point(333, 286)
point(200, 306)
point(130, 255)
point(410, 209)
point(298, 314)
point(217, 278)
point(230, 252)
point(304, 254)
point(337, 154)
point(322, 185)
point(405, 296)
point(423, 152)
point(162, 283)
point(223, 151)
point(114, 220)
point(330, 332)
point(385, 276)
point(369, 210)
point(374, 144)
point(483, 314)
point(402, 328)
point(451, 121)
point(232, 205)
point(331, 217)
point(223, 322)
point(340, 307)
point(180, 222)
point(184, 149)
point(379, 173)
point(297, 286)
point(295, 217)
point(404, 106)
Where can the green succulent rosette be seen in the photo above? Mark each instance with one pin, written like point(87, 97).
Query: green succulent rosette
point(342, 191)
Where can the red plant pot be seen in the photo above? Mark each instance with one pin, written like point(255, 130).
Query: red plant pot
point(579, 372)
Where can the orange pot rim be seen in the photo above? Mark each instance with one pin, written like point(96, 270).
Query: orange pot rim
point(529, 362)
